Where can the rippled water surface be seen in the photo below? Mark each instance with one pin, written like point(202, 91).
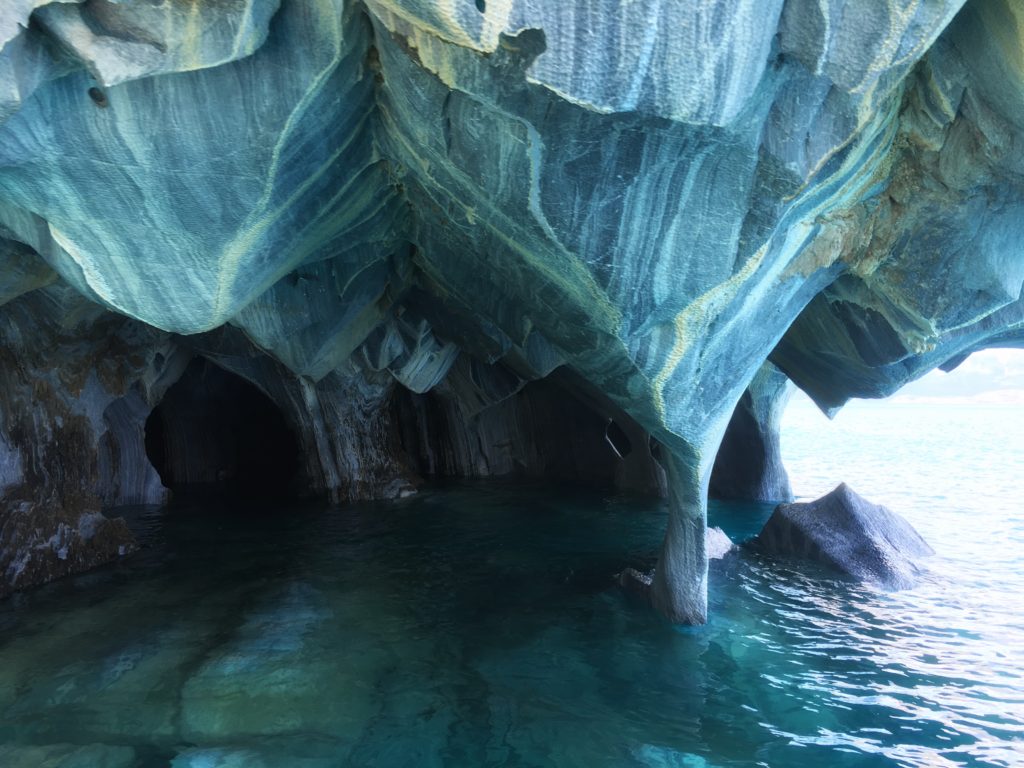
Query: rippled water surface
point(475, 626)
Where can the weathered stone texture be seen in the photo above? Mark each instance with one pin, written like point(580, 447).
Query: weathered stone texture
point(659, 197)
point(849, 534)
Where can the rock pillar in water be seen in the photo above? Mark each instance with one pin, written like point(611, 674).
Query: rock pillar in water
point(678, 587)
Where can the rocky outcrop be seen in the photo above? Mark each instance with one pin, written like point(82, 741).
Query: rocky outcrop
point(43, 540)
point(847, 533)
point(73, 381)
point(392, 194)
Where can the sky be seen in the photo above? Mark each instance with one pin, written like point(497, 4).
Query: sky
point(992, 376)
point(989, 376)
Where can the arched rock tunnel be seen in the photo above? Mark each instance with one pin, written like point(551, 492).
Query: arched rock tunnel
point(215, 432)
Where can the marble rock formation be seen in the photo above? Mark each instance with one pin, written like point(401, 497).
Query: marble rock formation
point(748, 464)
point(395, 219)
point(717, 545)
point(845, 532)
point(74, 380)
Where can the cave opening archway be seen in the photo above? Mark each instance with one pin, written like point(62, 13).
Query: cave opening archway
point(748, 464)
point(556, 429)
point(214, 433)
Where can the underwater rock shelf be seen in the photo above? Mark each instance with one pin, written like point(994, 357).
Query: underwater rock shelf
point(475, 239)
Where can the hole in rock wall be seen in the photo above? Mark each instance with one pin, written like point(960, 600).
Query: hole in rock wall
point(555, 429)
point(216, 433)
point(745, 462)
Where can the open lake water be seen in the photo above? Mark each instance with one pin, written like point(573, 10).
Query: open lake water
point(477, 626)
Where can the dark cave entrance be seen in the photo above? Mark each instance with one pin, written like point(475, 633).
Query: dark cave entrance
point(484, 423)
point(216, 434)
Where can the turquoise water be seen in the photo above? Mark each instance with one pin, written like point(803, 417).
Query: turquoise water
point(476, 626)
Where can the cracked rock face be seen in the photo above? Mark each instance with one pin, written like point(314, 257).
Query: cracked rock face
point(459, 198)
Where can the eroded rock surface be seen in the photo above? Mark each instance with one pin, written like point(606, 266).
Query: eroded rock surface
point(349, 202)
point(43, 540)
point(717, 545)
point(846, 532)
point(749, 460)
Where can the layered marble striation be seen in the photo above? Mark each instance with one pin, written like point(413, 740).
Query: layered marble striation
point(403, 211)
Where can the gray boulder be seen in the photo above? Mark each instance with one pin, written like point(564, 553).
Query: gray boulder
point(845, 531)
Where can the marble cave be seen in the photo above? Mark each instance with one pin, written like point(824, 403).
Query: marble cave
point(320, 248)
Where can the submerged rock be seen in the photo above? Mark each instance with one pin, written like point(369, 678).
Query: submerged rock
point(67, 756)
point(845, 531)
point(665, 757)
point(246, 757)
point(275, 675)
